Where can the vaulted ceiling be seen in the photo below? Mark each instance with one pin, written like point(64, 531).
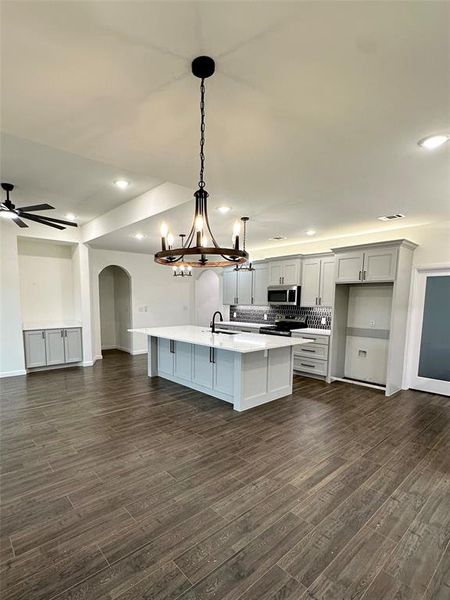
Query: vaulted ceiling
point(313, 115)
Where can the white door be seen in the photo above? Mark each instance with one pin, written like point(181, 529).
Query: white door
point(229, 287)
point(72, 345)
point(349, 266)
point(310, 282)
point(429, 343)
point(260, 283)
point(291, 272)
point(275, 273)
point(245, 279)
point(380, 264)
point(327, 285)
point(54, 346)
point(35, 349)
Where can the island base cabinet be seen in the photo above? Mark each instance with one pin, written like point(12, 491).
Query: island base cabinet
point(244, 379)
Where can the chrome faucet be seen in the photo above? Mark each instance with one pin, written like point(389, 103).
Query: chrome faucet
point(213, 321)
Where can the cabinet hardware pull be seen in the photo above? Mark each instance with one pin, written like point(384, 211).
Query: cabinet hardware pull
point(214, 355)
point(65, 332)
point(210, 355)
point(310, 366)
point(212, 358)
point(172, 346)
point(320, 300)
point(308, 350)
point(359, 276)
point(43, 335)
point(62, 332)
point(364, 275)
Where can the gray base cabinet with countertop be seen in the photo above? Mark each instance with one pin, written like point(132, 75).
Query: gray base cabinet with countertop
point(51, 347)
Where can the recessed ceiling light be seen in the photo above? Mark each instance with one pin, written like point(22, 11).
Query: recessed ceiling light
point(224, 209)
point(391, 217)
point(277, 238)
point(122, 183)
point(433, 141)
point(139, 236)
point(311, 232)
point(70, 217)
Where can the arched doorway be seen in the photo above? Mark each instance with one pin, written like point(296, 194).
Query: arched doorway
point(207, 297)
point(114, 284)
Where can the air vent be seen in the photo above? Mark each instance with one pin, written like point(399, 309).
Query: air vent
point(391, 217)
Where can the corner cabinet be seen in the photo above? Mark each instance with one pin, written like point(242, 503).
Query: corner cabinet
point(49, 347)
point(376, 264)
point(318, 281)
point(245, 287)
point(285, 272)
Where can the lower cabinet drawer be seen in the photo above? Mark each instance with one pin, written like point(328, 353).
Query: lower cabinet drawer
point(318, 339)
point(311, 351)
point(309, 365)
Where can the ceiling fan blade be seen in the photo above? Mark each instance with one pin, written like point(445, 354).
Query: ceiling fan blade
point(36, 207)
point(51, 219)
point(19, 222)
point(41, 220)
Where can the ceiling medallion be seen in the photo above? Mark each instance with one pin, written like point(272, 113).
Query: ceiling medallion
point(200, 248)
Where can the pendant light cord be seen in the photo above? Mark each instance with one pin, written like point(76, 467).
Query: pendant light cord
point(201, 183)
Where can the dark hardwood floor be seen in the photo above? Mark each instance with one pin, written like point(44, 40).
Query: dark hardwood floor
point(117, 487)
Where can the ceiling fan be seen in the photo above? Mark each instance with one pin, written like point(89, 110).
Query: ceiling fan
point(16, 214)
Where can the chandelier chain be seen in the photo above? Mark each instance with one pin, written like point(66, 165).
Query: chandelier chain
point(201, 183)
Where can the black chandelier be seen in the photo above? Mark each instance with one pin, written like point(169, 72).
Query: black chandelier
point(200, 248)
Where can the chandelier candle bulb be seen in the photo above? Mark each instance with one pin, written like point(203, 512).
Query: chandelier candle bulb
point(170, 240)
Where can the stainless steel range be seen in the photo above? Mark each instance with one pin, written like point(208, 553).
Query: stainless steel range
point(284, 325)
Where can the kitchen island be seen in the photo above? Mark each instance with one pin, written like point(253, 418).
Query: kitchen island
point(245, 369)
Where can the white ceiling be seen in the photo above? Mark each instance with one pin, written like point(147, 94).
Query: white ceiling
point(312, 116)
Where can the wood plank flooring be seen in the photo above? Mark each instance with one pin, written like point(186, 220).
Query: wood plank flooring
point(114, 486)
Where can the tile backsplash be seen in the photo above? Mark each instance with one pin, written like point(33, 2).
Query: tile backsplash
point(255, 314)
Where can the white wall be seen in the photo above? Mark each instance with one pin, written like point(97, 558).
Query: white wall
point(433, 240)
point(157, 298)
point(46, 281)
point(11, 342)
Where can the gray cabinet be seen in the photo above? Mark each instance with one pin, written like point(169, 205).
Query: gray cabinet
point(182, 360)
point(317, 281)
point(202, 366)
point(166, 353)
point(73, 348)
point(34, 342)
point(230, 290)
point(260, 284)
point(285, 272)
point(246, 287)
point(54, 346)
point(223, 380)
point(49, 347)
point(378, 263)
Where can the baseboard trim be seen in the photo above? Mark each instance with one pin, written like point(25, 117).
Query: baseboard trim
point(12, 373)
point(136, 352)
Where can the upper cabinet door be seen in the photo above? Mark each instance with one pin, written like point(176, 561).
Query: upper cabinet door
point(72, 345)
point(275, 273)
point(326, 296)
point(380, 264)
point(245, 287)
point(310, 282)
point(260, 283)
point(54, 346)
point(35, 349)
point(230, 292)
point(349, 266)
point(292, 271)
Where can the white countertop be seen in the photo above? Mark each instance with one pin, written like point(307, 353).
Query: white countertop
point(307, 330)
point(62, 324)
point(240, 342)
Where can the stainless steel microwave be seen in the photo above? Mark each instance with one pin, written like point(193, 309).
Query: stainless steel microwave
point(285, 295)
